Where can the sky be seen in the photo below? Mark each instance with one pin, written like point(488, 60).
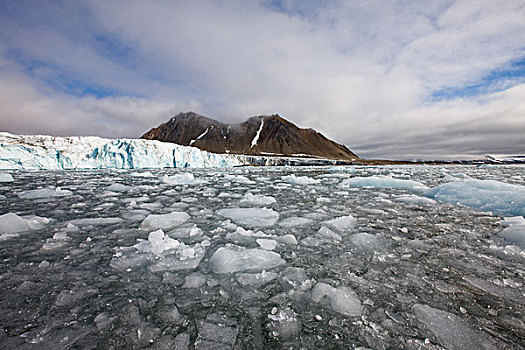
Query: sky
point(440, 79)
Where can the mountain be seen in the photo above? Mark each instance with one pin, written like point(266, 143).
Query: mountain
point(260, 135)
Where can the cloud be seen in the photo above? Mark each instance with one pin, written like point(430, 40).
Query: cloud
point(364, 73)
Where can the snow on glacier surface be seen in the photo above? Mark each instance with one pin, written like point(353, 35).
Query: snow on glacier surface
point(243, 259)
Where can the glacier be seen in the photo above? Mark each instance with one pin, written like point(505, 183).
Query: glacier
point(39, 152)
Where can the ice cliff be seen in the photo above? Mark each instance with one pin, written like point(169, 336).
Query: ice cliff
point(54, 153)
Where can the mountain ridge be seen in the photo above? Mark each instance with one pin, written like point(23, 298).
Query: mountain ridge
point(258, 135)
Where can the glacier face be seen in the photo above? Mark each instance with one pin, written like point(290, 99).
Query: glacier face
point(35, 152)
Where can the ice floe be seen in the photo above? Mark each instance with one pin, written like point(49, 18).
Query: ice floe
point(342, 299)
point(164, 221)
point(300, 180)
point(157, 243)
point(514, 232)
point(181, 179)
point(96, 221)
point(251, 217)
point(451, 331)
point(11, 225)
point(295, 221)
point(235, 259)
point(45, 193)
point(487, 195)
point(6, 177)
point(383, 181)
point(252, 199)
point(341, 224)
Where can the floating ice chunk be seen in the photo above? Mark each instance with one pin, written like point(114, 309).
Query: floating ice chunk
point(266, 244)
point(256, 280)
point(326, 233)
point(6, 177)
point(45, 193)
point(251, 217)
point(286, 239)
point(118, 188)
point(413, 199)
point(44, 264)
point(177, 262)
point(381, 181)
point(486, 195)
point(451, 331)
point(257, 199)
point(300, 180)
point(96, 221)
point(514, 231)
point(187, 232)
point(241, 236)
point(341, 224)
point(295, 221)
point(227, 260)
point(194, 280)
point(342, 299)
point(142, 174)
point(60, 235)
point(164, 221)
point(181, 179)
point(296, 278)
point(368, 242)
point(12, 223)
point(157, 243)
point(180, 205)
point(37, 222)
point(512, 220)
point(239, 179)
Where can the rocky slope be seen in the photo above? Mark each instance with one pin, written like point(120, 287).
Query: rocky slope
point(261, 135)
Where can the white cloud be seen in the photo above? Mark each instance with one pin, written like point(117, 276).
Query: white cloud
point(360, 72)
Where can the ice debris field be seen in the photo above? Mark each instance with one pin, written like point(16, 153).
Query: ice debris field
point(407, 257)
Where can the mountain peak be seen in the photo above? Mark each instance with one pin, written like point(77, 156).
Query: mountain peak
point(259, 135)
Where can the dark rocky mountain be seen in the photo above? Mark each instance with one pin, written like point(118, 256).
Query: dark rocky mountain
point(261, 135)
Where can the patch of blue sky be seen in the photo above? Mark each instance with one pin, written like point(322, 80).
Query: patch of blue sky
point(113, 48)
point(62, 80)
point(495, 81)
point(304, 8)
